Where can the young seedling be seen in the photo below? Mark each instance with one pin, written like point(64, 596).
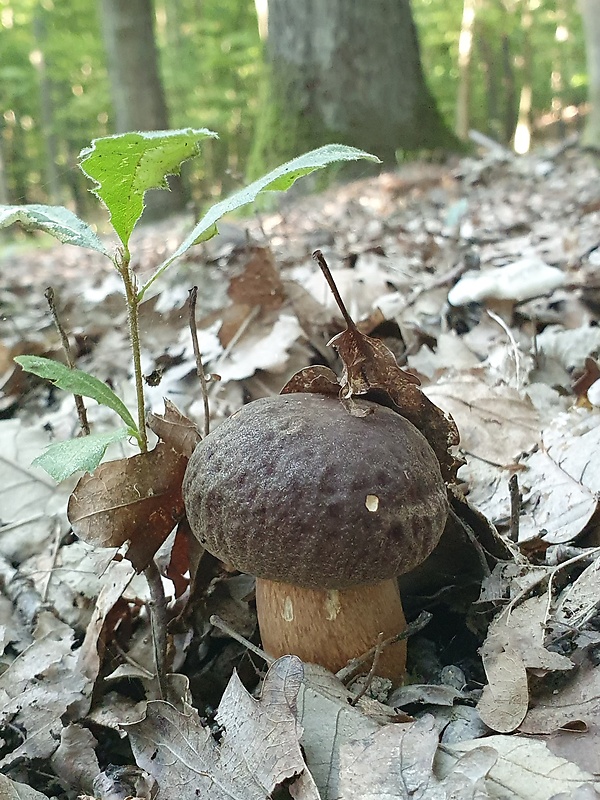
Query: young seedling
point(148, 485)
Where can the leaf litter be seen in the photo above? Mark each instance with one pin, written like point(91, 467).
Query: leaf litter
point(505, 674)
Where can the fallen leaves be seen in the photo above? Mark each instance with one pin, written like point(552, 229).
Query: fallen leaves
point(258, 751)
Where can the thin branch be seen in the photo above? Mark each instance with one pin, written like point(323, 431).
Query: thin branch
point(515, 507)
point(198, 356)
point(347, 673)
point(219, 623)
point(158, 624)
point(320, 259)
point(79, 404)
point(372, 671)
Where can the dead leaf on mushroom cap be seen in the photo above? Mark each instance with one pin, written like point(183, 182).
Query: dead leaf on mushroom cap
point(369, 365)
point(137, 499)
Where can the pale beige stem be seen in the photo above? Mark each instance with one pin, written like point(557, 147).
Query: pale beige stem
point(332, 626)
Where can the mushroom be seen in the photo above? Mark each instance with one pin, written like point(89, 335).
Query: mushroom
point(326, 508)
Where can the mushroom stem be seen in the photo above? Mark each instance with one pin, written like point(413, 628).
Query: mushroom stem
point(331, 626)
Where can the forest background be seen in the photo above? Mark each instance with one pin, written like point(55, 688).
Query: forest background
point(524, 75)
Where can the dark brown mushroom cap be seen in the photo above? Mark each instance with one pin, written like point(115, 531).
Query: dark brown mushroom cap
point(293, 488)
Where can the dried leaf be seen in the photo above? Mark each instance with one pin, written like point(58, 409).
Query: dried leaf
point(12, 790)
point(258, 750)
point(397, 762)
point(260, 283)
point(505, 698)
point(134, 499)
point(525, 769)
point(368, 365)
point(41, 689)
point(175, 429)
point(496, 424)
point(318, 379)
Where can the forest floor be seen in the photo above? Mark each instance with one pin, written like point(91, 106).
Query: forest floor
point(483, 277)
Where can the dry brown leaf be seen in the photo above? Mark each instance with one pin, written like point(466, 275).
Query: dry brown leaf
point(505, 698)
point(496, 424)
point(258, 750)
point(318, 379)
point(525, 769)
point(558, 714)
point(116, 579)
point(42, 689)
point(135, 499)
point(75, 761)
point(175, 429)
point(260, 283)
point(12, 790)
point(397, 762)
point(369, 365)
point(556, 506)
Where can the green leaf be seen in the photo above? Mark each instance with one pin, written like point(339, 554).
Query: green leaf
point(125, 166)
point(78, 382)
point(74, 455)
point(55, 220)
point(278, 180)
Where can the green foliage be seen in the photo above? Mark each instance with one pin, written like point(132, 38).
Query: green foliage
point(62, 459)
point(78, 382)
point(278, 180)
point(124, 167)
point(56, 221)
point(498, 64)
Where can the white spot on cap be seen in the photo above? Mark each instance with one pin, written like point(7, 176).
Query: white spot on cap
point(332, 604)
point(372, 502)
point(288, 610)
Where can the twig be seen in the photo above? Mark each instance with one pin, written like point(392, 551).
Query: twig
point(198, 356)
point(371, 675)
point(54, 556)
point(79, 404)
point(320, 259)
point(515, 507)
point(347, 673)
point(473, 539)
point(158, 624)
point(219, 623)
point(513, 344)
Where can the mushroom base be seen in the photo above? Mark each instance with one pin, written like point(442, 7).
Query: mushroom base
point(331, 626)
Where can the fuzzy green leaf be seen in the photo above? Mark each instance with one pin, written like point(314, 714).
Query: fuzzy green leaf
point(75, 455)
point(78, 382)
point(55, 220)
point(277, 180)
point(125, 166)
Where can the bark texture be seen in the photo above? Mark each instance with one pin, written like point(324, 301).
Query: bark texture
point(137, 92)
point(590, 10)
point(344, 71)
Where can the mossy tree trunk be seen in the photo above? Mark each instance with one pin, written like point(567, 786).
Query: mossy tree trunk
point(137, 92)
point(344, 71)
point(590, 10)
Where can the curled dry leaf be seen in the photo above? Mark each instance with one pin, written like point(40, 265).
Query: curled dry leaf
point(258, 751)
point(505, 698)
point(260, 283)
point(134, 499)
point(370, 365)
point(318, 379)
point(397, 762)
point(175, 429)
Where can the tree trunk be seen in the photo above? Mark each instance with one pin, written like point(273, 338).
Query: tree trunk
point(465, 49)
point(340, 71)
point(590, 10)
point(136, 88)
